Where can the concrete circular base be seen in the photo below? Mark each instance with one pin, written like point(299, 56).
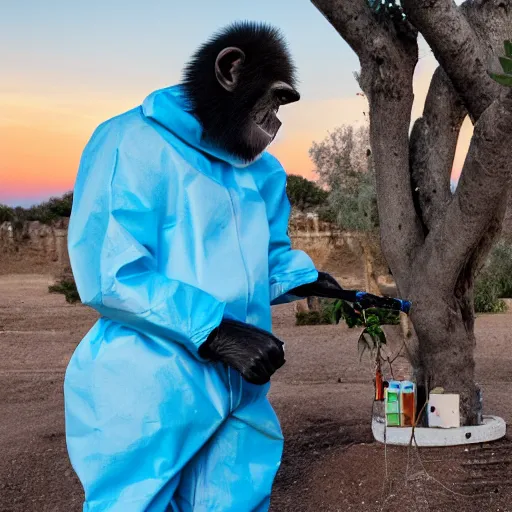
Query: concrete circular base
point(493, 428)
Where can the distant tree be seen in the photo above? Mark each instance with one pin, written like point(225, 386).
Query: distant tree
point(343, 163)
point(51, 210)
point(342, 156)
point(303, 193)
point(61, 206)
point(46, 212)
point(6, 213)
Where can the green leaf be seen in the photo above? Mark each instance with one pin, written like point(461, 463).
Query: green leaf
point(352, 319)
point(374, 330)
point(337, 312)
point(508, 48)
point(372, 320)
point(379, 339)
point(506, 64)
point(505, 80)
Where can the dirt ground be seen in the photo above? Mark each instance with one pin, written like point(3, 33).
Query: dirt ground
point(323, 396)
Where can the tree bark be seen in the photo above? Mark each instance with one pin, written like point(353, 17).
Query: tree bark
point(433, 143)
point(435, 241)
point(457, 48)
point(371, 284)
point(446, 353)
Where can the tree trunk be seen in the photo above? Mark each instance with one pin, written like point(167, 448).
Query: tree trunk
point(446, 344)
point(371, 284)
point(445, 330)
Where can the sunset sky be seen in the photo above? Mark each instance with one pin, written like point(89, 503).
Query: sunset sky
point(67, 66)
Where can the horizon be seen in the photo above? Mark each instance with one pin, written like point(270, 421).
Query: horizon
point(61, 82)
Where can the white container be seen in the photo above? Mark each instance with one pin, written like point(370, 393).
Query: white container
point(443, 410)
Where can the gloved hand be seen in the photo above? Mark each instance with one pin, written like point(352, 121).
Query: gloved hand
point(325, 286)
point(255, 353)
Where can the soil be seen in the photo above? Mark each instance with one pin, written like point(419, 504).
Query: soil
point(323, 396)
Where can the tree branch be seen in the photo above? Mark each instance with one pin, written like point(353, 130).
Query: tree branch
point(484, 181)
point(388, 54)
point(400, 227)
point(432, 148)
point(457, 48)
point(355, 23)
point(491, 20)
point(434, 136)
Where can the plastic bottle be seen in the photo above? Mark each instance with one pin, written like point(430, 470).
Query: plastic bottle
point(392, 401)
point(407, 403)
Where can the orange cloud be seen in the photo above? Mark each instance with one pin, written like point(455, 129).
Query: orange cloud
point(42, 138)
point(36, 159)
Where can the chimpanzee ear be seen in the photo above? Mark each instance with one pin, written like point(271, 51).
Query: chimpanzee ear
point(227, 67)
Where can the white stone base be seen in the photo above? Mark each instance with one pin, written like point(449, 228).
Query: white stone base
point(493, 428)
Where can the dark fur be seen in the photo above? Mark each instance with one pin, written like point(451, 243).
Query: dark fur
point(225, 115)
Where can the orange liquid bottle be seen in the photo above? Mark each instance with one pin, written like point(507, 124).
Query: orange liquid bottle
point(379, 386)
point(407, 404)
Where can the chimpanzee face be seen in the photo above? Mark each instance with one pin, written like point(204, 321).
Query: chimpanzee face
point(259, 101)
point(237, 82)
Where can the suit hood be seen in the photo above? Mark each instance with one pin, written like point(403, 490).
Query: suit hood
point(170, 108)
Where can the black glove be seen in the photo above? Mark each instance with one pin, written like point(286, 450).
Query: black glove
point(255, 353)
point(325, 286)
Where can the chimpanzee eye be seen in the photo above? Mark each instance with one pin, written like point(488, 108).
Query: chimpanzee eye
point(282, 97)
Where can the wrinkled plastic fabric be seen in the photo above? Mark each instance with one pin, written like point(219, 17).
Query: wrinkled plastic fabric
point(168, 236)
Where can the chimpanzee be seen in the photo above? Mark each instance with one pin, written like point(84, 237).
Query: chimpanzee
point(178, 239)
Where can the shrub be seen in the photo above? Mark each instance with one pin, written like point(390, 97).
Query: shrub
point(45, 213)
point(311, 318)
point(495, 280)
point(6, 213)
point(487, 297)
point(327, 214)
point(303, 193)
point(323, 316)
point(67, 286)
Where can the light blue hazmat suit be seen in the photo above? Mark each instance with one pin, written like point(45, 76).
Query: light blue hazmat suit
point(167, 236)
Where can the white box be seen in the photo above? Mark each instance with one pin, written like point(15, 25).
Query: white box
point(443, 410)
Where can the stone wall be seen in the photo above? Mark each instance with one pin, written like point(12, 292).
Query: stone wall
point(33, 247)
point(36, 247)
point(354, 258)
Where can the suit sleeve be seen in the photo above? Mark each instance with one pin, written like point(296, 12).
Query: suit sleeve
point(113, 245)
point(288, 268)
